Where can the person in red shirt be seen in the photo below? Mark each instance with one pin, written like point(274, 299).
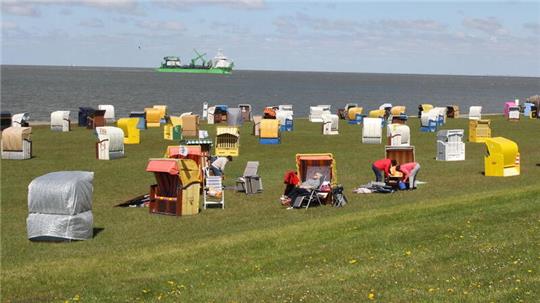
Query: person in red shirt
point(381, 168)
point(409, 170)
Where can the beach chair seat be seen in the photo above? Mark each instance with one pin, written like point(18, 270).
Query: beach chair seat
point(250, 182)
point(110, 143)
point(60, 121)
point(213, 193)
point(16, 143)
point(131, 131)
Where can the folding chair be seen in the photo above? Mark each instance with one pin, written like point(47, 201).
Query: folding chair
point(250, 182)
point(213, 191)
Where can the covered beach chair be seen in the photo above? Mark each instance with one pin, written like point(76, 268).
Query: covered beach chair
point(84, 112)
point(5, 120)
point(269, 112)
point(60, 207)
point(309, 164)
point(162, 112)
point(210, 119)
point(377, 113)
point(172, 130)
point(452, 111)
point(153, 117)
point(17, 143)
point(428, 121)
point(285, 118)
point(330, 124)
point(441, 114)
point(234, 116)
point(190, 126)
point(250, 182)
point(511, 110)
point(479, 130)
point(20, 120)
point(219, 113)
point(141, 116)
point(475, 112)
point(424, 107)
point(177, 191)
point(227, 141)
point(246, 112)
point(450, 146)
point(372, 131)
point(96, 119)
point(110, 143)
point(316, 112)
point(402, 154)
point(355, 115)
point(132, 134)
point(398, 110)
point(502, 158)
point(256, 125)
point(342, 112)
point(398, 135)
point(109, 112)
point(269, 132)
point(527, 109)
point(60, 121)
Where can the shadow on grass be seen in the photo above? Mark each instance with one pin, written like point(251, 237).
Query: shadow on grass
point(97, 230)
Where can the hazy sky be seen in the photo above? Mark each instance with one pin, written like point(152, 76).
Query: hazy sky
point(457, 37)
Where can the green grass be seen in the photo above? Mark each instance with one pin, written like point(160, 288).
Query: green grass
point(462, 237)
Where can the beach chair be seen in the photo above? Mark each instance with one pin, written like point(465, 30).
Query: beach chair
point(172, 130)
point(205, 111)
point(452, 111)
point(60, 121)
point(285, 117)
point(354, 115)
point(441, 114)
point(213, 193)
point(372, 131)
point(60, 207)
point(250, 182)
point(211, 118)
point(475, 112)
point(141, 116)
point(398, 135)
point(5, 120)
point(220, 113)
point(429, 121)
point(131, 132)
point(177, 188)
point(234, 116)
point(502, 158)
point(479, 130)
point(20, 120)
point(84, 112)
point(511, 111)
point(16, 143)
point(425, 107)
point(269, 132)
point(246, 112)
point(398, 110)
point(450, 146)
point(110, 143)
point(316, 112)
point(256, 125)
point(153, 117)
point(227, 141)
point(309, 164)
point(190, 126)
point(96, 119)
point(402, 154)
point(109, 112)
point(162, 112)
point(330, 124)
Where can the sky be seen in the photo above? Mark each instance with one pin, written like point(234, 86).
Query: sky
point(426, 37)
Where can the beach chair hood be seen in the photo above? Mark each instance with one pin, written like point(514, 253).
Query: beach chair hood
point(12, 138)
point(309, 164)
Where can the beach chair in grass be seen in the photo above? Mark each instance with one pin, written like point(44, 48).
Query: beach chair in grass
point(502, 158)
point(84, 112)
point(132, 135)
point(450, 146)
point(17, 143)
point(330, 124)
point(250, 182)
point(213, 193)
point(452, 111)
point(20, 120)
point(110, 143)
point(402, 154)
point(398, 135)
point(192, 152)
point(177, 188)
point(316, 112)
point(153, 117)
point(424, 107)
point(441, 114)
point(142, 119)
point(428, 121)
point(479, 130)
point(96, 119)
point(190, 126)
point(269, 132)
point(234, 116)
point(256, 125)
point(60, 121)
point(246, 112)
point(285, 117)
point(227, 141)
point(172, 130)
point(309, 164)
point(162, 112)
point(109, 112)
point(372, 131)
point(355, 115)
point(475, 112)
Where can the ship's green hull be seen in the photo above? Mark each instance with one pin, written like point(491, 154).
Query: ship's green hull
point(194, 70)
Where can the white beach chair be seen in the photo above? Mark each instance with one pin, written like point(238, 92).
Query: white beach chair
point(450, 146)
point(213, 193)
point(475, 113)
point(330, 124)
point(60, 121)
point(17, 143)
point(398, 135)
point(110, 143)
point(20, 120)
point(372, 130)
point(109, 113)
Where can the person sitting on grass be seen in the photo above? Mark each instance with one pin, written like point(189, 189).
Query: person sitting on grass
point(381, 168)
point(218, 166)
point(303, 190)
point(410, 171)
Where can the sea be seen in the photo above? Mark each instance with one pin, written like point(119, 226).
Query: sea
point(39, 90)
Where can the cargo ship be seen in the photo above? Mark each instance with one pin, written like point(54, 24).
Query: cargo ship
point(198, 65)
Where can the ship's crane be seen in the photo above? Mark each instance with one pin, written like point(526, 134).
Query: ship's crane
point(199, 57)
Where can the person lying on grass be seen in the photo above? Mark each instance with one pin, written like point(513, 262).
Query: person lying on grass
point(303, 190)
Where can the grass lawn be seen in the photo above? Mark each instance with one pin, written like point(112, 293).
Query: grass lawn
point(461, 237)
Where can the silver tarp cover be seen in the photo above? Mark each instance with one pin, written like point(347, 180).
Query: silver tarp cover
point(234, 116)
point(61, 193)
point(60, 227)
